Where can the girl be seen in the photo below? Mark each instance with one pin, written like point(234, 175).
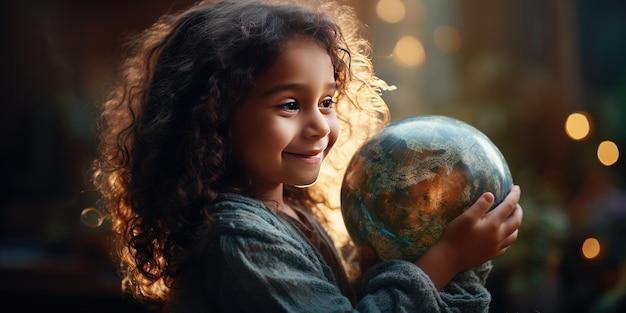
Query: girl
point(211, 169)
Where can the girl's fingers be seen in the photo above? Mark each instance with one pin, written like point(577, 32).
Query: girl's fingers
point(513, 221)
point(509, 240)
point(508, 205)
point(482, 205)
point(510, 227)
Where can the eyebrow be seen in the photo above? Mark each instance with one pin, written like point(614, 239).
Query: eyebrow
point(279, 88)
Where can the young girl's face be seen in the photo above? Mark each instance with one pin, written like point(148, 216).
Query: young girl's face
point(288, 125)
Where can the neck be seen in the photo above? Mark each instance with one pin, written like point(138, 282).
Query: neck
point(269, 194)
point(273, 198)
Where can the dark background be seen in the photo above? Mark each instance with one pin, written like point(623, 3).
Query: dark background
point(58, 58)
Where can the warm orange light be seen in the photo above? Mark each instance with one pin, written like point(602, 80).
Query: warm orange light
point(577, 126)
point(590, 248)
point(608, 153)
point(391, 11)
point(409, 52)
point(447, 39)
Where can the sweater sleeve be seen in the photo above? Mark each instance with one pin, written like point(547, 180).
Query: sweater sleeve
point(395, 285)
point(467, 291)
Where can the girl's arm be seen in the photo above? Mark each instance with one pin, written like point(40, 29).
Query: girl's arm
point(473, 238)
point(260, 264)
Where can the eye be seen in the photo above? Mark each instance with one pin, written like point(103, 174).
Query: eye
point(327, 104)
point(288, 106)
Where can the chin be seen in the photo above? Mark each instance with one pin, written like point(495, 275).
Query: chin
point(306, 185)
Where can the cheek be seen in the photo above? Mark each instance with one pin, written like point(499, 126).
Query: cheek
point(267, 138)
point(333, 124)
point(260, 140)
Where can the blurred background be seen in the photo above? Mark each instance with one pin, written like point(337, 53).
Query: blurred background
point(545, 80)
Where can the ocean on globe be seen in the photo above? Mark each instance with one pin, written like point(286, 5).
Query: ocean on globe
point(404, 185)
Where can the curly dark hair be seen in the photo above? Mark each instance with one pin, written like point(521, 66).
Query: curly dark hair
point(164, 154)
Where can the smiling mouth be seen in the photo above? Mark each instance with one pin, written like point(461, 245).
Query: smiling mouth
point(308, 157)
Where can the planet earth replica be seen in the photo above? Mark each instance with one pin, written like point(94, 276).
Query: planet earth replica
point(404, 185)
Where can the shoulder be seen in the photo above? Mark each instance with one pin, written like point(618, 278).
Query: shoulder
point(234, 213)
point(246, 229)
point(236, 216)
point(232, 206)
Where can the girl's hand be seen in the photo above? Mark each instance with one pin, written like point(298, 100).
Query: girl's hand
point(368, 258)
point(473, 238)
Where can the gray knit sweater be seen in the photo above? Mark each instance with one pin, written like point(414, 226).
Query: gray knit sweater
point(260, 263)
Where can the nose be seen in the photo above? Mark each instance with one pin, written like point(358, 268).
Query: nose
point(317, 125)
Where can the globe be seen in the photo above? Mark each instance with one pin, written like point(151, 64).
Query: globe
point(403, 186)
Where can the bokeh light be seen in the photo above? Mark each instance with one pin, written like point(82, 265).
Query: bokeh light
point(390, 11)
point(92, 217)
point(590, 248)
point(577, 126)
point(447, 39)
point(409, 52)
point(608, 153)
point(546, 79)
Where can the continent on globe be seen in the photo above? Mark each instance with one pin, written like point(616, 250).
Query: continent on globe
point(405, 184)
